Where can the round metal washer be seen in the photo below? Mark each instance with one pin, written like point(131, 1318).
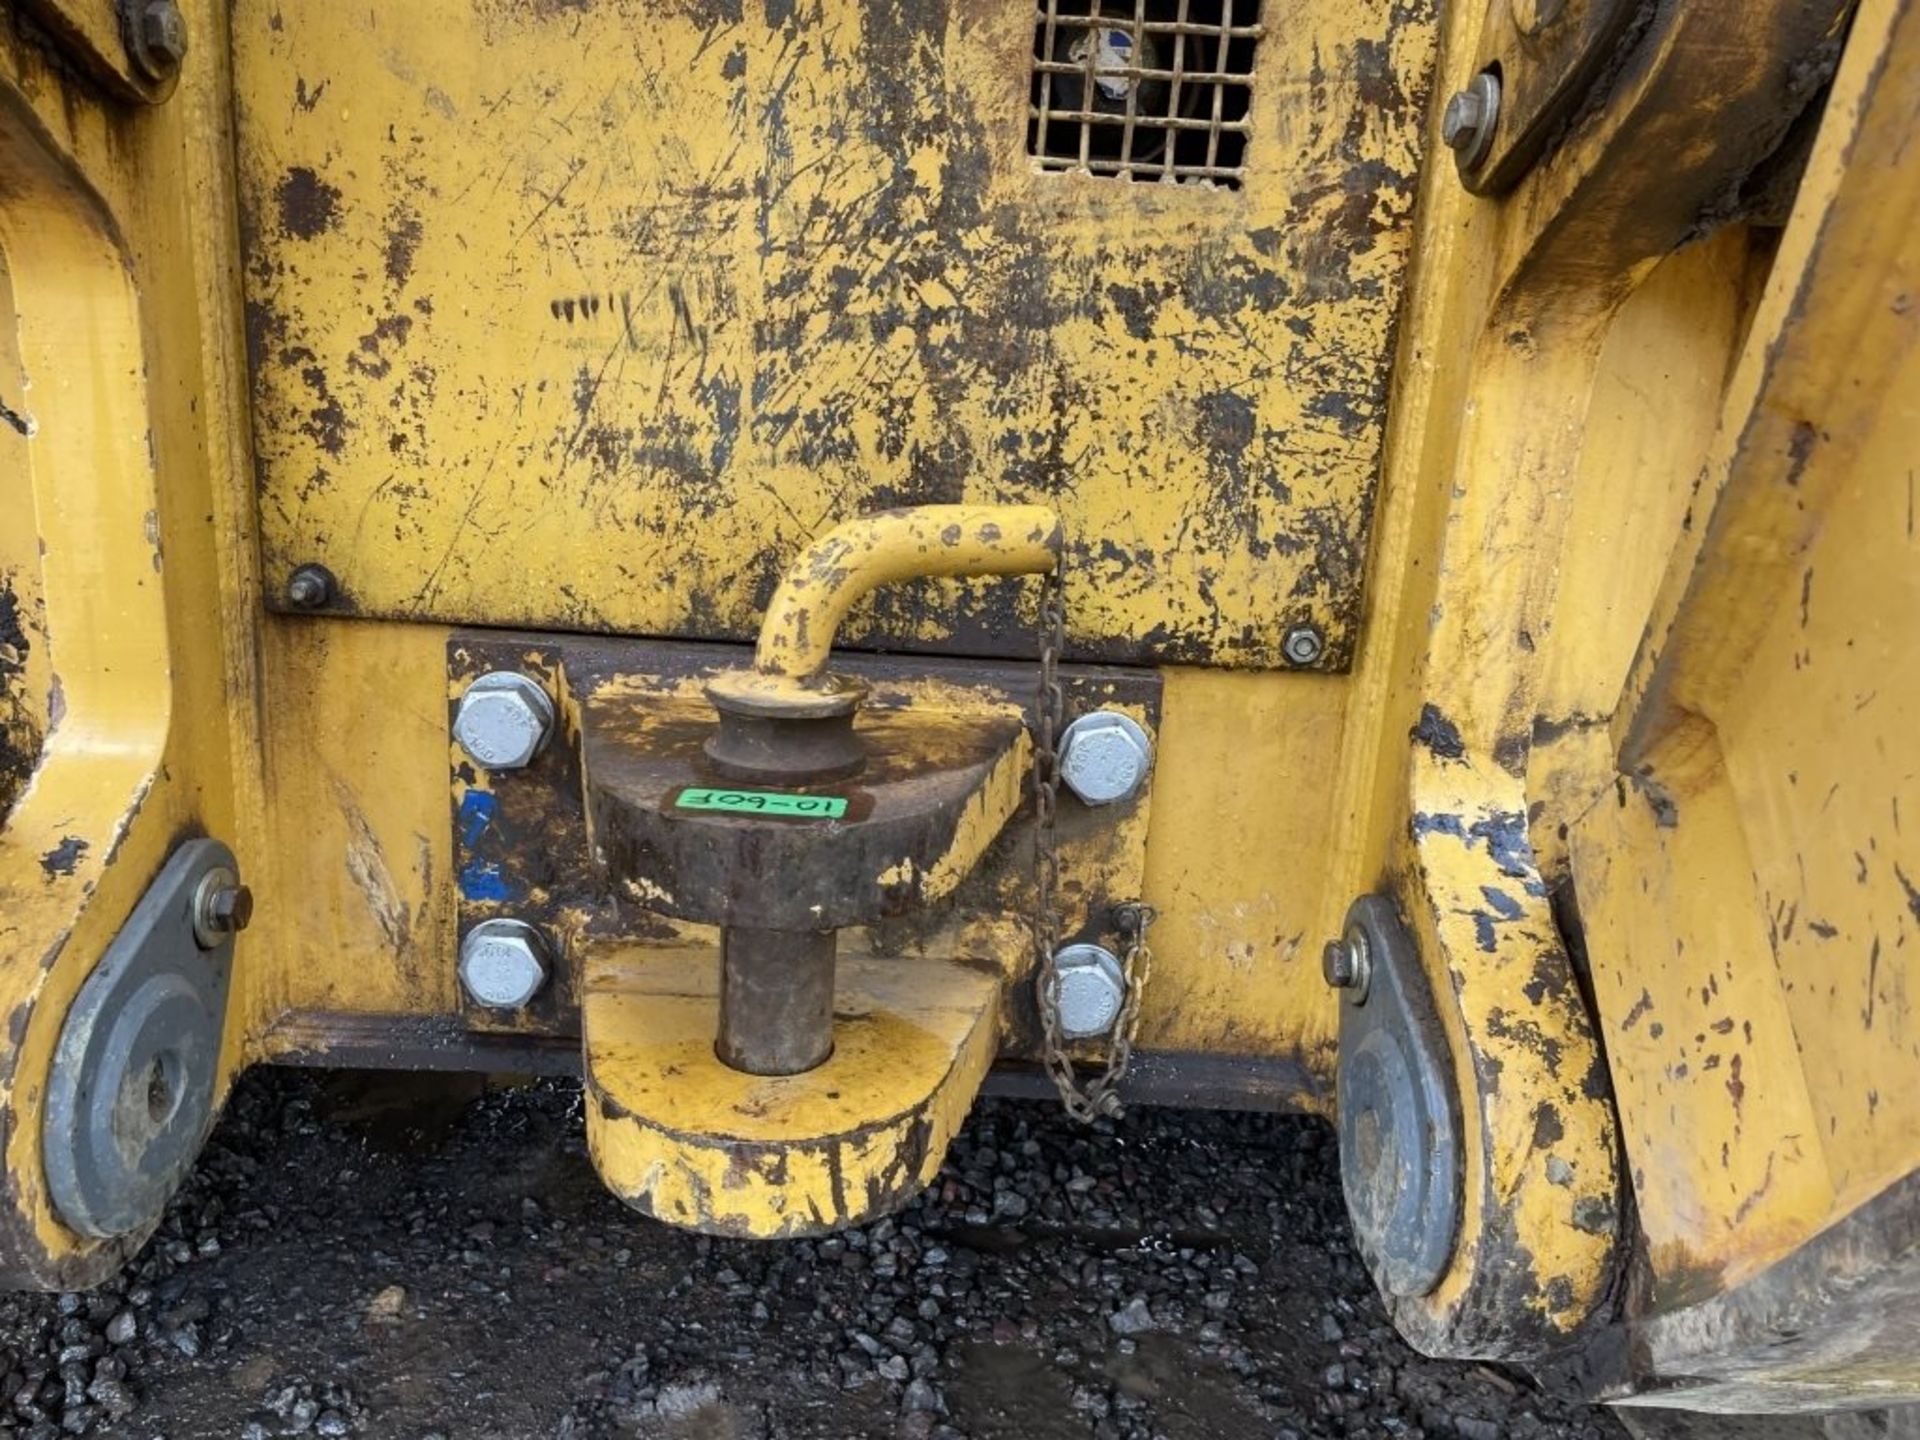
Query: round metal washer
point(130, 1091)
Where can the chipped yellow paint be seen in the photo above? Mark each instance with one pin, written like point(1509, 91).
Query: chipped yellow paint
point(1522, 319)
point(1656, 396)
point(984, 816)
point(1721, 1136)
point(1750, 892)
point(25, 668)
point(89, 487)
point(362, 858)
point(507, 374)
point(701, 280)
point(682, 1137)
point(1543, 1212)
point(126, 478)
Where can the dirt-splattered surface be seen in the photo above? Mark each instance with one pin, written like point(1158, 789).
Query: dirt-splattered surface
point(413, 1257)
point(705, 278)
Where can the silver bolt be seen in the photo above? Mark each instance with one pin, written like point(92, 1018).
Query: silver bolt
point(310, 587)
point(222, 908)
point(1104, 757)
point(159, 39)
point(1468, 122)
point(503, 964)
point(1090, 989)
point(504, 720)
point(1347, 964)
point(1303, 644)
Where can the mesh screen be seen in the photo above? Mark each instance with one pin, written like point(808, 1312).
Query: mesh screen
point(1144, 89)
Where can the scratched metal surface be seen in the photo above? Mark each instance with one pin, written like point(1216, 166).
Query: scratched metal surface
point(585, 314)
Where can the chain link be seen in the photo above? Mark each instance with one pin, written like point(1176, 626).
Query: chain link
point(1100, 1095)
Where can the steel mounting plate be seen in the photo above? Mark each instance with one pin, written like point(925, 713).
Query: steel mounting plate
point(130, 1092)
point(1399, 1120)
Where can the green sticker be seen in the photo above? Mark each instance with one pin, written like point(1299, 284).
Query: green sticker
point(763, 802)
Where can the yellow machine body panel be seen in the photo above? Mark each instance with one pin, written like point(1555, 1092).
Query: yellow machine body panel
point(700, 281)
point(1455, 466)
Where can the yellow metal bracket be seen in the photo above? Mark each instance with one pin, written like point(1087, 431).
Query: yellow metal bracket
point(1541, 278)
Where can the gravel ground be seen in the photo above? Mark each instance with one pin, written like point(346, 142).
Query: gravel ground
point(424, 1256)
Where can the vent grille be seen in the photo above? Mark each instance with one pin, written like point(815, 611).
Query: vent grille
point(1144, 89)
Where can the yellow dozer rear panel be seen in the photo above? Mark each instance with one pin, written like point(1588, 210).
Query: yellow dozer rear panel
point(804, 561)
point(699, 280)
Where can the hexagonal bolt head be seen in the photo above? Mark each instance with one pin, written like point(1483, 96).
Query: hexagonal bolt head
point(503, 721)
point(1468, 122)
point(1303, 644)
point(503, 964)
point(222, 908)
point(159, 38)
point(310, 587)
point(1105, 757)
point(1092, 988)
point(1347, 964)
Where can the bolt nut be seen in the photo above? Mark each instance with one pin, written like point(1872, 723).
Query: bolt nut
point(1468, 123)
point(222, 908)
point(158, 39)
point(1105, 757)
point(310, 587)
point(1347, 964)
point(503, 964)
point(1304, 644)
point(1090, 988)
point(504, 720)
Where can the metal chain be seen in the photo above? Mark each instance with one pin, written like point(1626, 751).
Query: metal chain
point(1101, 1095)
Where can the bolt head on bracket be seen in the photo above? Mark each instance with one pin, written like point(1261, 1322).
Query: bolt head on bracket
point(311, 587)
point(1090, 989)
point(504, 720)
point(1304, 644)
point(1105, 757)
point(1470, 119)
point(503, 964)
point(156, 38)
point(222, 908)
point(1347, 965)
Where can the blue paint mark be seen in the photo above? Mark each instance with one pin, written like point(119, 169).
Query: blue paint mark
point(482, 880)
point(1503, 832)
point(480, 876)
point(477, 808)
point(1501, 903)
